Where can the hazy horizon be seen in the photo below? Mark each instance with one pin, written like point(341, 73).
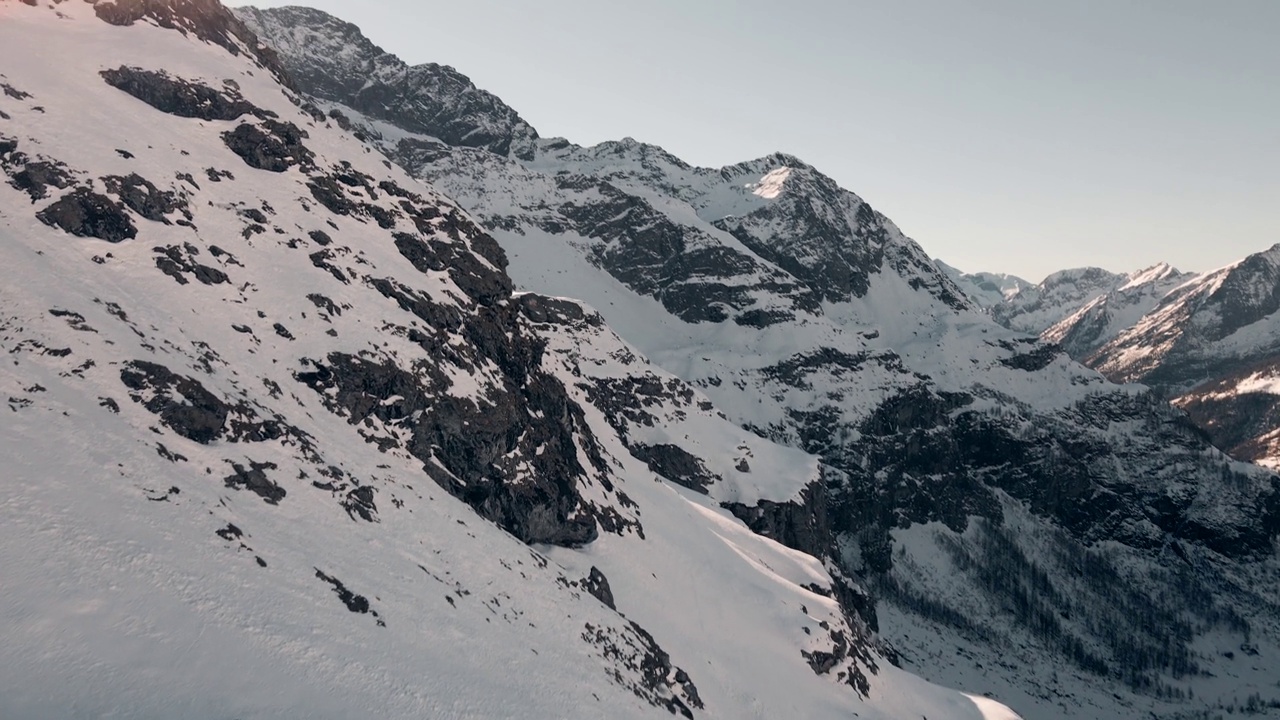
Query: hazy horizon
point(1002, 137)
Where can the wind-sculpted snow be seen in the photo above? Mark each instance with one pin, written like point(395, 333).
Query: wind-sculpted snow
point(291, 446)
point(810, 320)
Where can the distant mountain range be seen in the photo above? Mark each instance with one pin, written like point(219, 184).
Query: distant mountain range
point(1210, 343)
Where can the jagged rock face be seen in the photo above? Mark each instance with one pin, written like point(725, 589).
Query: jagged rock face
point(1209, 344)
point(692, 275)
point(342, 66)
point(1240, 411)
point(943, 463)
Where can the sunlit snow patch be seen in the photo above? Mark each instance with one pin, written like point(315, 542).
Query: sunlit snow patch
point(992, 710)
point(770, 186)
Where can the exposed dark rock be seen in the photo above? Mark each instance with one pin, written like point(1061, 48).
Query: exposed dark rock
point(229, 533)
point(329, 193)
point(428, 99)
point(802, 525)
point(177, 262)
point(359, 503)
point(1038, 358)
point(437, 315)
point(256, 481)
point(144, 198)
point(422, 256)
point(168, 454)
point(597, 585)
point(324, 303)
point(84, 213)
point(321, 260)
point(175, 96)
point(675, 464)
point(13, 92)
point(273, 145)
point(355, 603)
point(634, 650)
point(557, 311)
point(36, 176)
point(695, 278)
point(183, 404)
point(253, 214)
point(471, 451)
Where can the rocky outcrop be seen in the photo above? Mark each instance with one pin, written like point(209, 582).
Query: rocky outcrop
point(273, 146)
point(175, 96)
point(85, 213)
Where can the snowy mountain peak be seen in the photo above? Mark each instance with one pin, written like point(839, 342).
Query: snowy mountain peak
point(1154, 274)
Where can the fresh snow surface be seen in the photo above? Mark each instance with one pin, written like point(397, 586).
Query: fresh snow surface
point(118, 597)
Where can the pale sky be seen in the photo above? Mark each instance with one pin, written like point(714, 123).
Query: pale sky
point(1020, 136)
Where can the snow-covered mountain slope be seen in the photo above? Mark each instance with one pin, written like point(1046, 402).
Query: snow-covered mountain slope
point(1228, 315)
point(1034, 309)
point(281, 441)
point(986, 289)
point(1240, 411)
point(1101, 319)
point(1207, 342)
point(1211, 343)
point(1012, 511)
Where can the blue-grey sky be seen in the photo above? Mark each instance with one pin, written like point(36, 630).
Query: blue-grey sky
point(1003, 135)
